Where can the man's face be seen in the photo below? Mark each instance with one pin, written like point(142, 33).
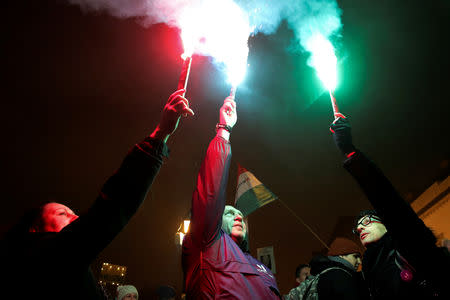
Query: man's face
point(233, 222)
point(55, 217)
point(353, 258)
point(370, 229)
point(304, 272)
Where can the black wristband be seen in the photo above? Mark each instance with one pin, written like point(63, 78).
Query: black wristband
point(223, 126)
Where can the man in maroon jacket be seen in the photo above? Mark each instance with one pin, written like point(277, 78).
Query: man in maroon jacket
point(216, 262)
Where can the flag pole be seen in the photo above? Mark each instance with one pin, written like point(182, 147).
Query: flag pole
point(304, 224)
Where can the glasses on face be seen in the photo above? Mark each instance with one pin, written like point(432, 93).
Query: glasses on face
point(366, 222)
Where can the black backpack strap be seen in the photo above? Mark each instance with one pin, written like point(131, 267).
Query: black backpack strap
point(334, 268)
point(324, 271)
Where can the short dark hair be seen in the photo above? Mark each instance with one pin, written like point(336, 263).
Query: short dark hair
point(299, 269)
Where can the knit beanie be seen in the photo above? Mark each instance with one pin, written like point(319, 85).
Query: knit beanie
point(123, 290)
point(343, 246)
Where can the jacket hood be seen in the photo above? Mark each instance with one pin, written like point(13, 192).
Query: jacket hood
point(321, 262)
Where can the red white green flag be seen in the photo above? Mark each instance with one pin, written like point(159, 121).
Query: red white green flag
point(251, 194)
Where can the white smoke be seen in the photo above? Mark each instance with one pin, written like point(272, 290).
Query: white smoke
point(306, 18)
point(147, 11)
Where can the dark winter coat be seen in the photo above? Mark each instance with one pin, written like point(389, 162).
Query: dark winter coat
point(56, 265)
point(336, 284)
point(214, 266)
point(407, 235)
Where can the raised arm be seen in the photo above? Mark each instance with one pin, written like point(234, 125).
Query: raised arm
point(208, 199)
point(124, 192)
point(396, 213)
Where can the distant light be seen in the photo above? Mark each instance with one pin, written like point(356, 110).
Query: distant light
point(186, 226)
point(181, 235)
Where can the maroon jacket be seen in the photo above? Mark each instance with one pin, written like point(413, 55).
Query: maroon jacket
point(214, 266)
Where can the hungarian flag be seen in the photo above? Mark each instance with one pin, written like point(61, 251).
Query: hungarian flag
point(251, 194)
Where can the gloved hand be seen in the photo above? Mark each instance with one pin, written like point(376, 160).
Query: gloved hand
point(342, 135)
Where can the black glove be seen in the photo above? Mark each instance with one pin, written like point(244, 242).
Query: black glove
point(342, 135)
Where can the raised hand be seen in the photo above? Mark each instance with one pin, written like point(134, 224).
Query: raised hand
point(228, 115)
point(227, 118)
point(175, 107)
point(342, 135)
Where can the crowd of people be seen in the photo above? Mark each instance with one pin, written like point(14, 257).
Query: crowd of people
point(401, 260)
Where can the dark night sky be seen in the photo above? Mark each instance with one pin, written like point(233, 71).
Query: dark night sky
point(81, 89)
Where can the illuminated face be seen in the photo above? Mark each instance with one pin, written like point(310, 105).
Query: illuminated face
point(370, 229)
point(354, 259)
point(130, 296)
point(233, 224)
point(55, 217)
point(304, 272)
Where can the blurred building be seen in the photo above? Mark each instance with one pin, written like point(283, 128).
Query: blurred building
point(433, 207)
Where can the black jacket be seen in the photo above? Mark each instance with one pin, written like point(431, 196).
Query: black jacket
point(336, 284)
point(407, 236)
point(56, 265)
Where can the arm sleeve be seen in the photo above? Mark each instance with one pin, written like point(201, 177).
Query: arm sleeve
point(119, 199)
point(398, 216)
point(208, 199)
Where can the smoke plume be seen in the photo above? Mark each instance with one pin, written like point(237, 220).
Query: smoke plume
point(306, 18)
point(148, 12)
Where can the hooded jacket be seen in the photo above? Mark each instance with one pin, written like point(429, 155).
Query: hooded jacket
point(340, 283)
point(214, 266)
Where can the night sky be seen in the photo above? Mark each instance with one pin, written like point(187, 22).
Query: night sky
point(81, 88)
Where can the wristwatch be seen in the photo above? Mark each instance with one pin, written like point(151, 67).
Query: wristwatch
point(223, 126)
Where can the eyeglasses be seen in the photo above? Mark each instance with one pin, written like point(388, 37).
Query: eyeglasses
point(366, 221)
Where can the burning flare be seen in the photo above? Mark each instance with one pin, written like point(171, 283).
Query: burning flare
point(220, 29)
point(323, 60)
